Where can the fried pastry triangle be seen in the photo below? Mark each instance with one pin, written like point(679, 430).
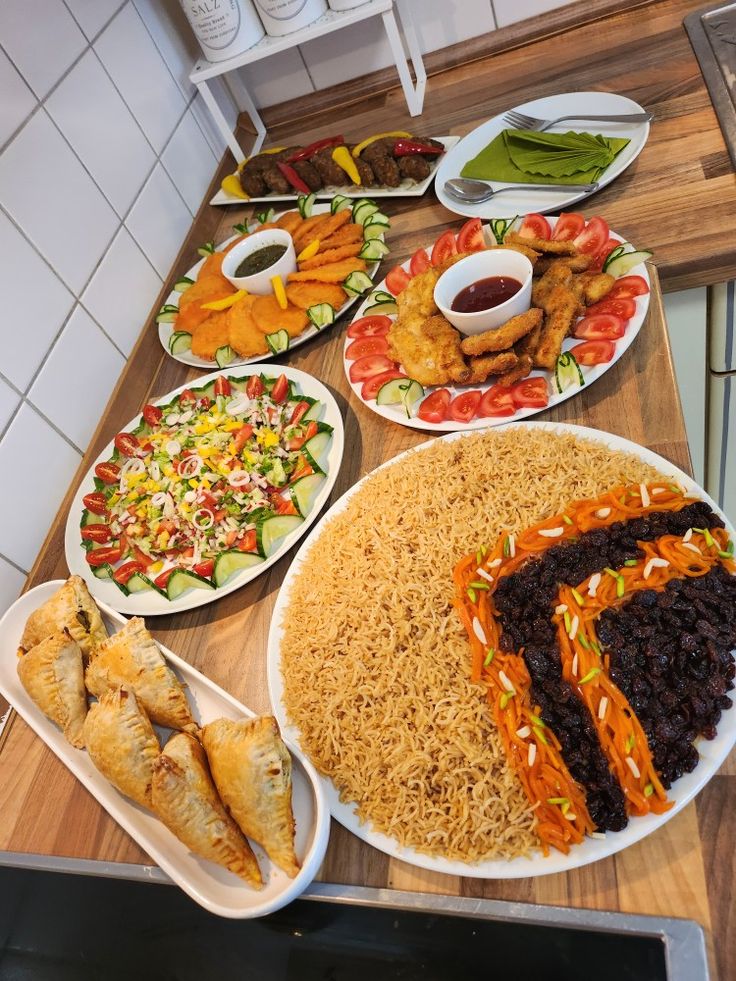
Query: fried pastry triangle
point(131, 657)
point(71, 607)
point(251, 768)
point(53, 675)
point(185, 799)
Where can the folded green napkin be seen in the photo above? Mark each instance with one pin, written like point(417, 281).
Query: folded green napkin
point(518, 156)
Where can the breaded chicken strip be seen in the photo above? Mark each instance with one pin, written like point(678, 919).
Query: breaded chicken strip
point(520, 370)
point(590, 287)
point(557, 275)
point(543, 245)
point(428, 348)
point(490, 364)
point(531, 255)
point(576, 263)
point(501, 338)
point(560, 307)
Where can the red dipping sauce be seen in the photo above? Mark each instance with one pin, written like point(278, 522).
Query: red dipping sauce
point(485, 293)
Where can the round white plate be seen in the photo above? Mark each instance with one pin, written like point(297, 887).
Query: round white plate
point(509, 204)
point(186, 357)
point(217, 890)
point(396, 413)
point(712, 753)
point(151, 603)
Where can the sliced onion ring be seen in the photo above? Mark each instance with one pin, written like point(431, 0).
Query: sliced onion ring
point(203, 518)
point(238, 478)
point(190, 466)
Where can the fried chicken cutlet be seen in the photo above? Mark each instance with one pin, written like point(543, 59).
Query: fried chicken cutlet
point(428, 348)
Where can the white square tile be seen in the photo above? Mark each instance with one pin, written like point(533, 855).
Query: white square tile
point(122, 309)
point(17, 100)
point(41, 38)
point(174, 38)
point(441, 24)
point(92, 15)
point(9, 402)
point(283, 76)
point(29, 439)
point(11, 583)
point(82, 361)
point(24, 274)
point(159, 221)
point(141, 76)
point(88, 110)
point(356, 50)
point(190, 162)
point(49, 194)
point(512, 11)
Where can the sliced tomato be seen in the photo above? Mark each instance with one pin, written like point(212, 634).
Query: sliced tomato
point(96, 503)
point(628, 286)
point(97, 533)
point(623, 306)
point(444, 247)
point(280, 389)
point(530, 393)
point(205, 568)
point(464, 406)
point(366, 345)
point(373, 326)
point(254, 387)
point(593, 237)
point(470, 237)
point(434, 407)
point(370, 365)
point(107, 554)
point(187, 397)
point(569, 225)
point(535, 226)
point(590, 353)
point(397, 280)
point(497, 401)
point(296, 442)
point(222, 386)
point(109, 473)
point(127, 444)
point(162, 579)
point(600, 327)
point(283, 505)
point(419, 262)
point(299, 410)
point(610, 244)
point(152, 414)
point(123, 573)
point(371, 386)
point(249, 541)
point(241, 437)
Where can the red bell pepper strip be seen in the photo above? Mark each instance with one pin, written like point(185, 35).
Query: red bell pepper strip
point(406, 148)
point(309, 151)
point(292, 177)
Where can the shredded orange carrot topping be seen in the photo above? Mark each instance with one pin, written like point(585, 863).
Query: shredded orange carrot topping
point(533, 750)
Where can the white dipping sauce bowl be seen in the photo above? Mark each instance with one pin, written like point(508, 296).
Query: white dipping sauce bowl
point(483, 265)
point(260, 282)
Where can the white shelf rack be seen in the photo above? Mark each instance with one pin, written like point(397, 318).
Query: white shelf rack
point(333, 20)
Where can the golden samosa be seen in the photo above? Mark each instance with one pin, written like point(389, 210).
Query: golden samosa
point(52, 673)
point(71, 607)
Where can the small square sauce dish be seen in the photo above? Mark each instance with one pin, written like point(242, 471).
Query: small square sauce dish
point(484, 290)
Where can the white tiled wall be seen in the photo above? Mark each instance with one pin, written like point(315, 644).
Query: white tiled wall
point(105, 156)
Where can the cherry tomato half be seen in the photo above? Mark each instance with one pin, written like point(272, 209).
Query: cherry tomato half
point(280, 389)
point(222, 386)
point(590, 353)
point(530, 393)
point(623, 306)
point(444, 247)
point(299, 410)
point(464, 406)
point(187, 397)
point(497, 401)
point(535, 226)
point(162, 579)
point(419, 262)
point(249, 541)
point(109, 473)
point(205, 568)
point(242, 435)
point(100, 556)
point(593, 237)
point(123, 572)
point(434, 407)
point(96, 503)
point(470, 237)
point(600, 327)
point(254, 387)
point(96, 533)
point(628, 286)
point(397, 280)
point(127, 444)
point(569, 225)
point(373, 326)
point(366, 345)
point(370, 365)
point(373, 384)
point(152, 414)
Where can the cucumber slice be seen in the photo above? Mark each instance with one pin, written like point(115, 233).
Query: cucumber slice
point(278, 342)
point(316, 448)
point(373, 230)
point(499, 227)
point(374, 250)
point(207, 249)
point(314, 411)
point(179, 342)
point(102, 571)
point(357, 283)
point(271, 530)
point(615, 253)
point(167, 314)
point(321, 315)
point(623, 264)
point(305, 203)
point(241, 229)
point(224, 355)
point(265, 216)
point(181, 580)
point(138, 583)
point(381, 296)
point(228, 563)
point(568, 373)
point(339, 203)
point(400, 390)
point(90, 519)
point(362, 211)
point(378, 218)
point(305, 490)
point(183, 284)
point(385, 307)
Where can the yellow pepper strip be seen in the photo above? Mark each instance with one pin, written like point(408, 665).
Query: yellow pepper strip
point(309, 251)
point(225, 302)
point(398, 133)
point(274, 149)
point(279, 292)
point(341, 156)
point(231, 185)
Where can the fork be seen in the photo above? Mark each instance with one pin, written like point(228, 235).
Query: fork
point(521, 121)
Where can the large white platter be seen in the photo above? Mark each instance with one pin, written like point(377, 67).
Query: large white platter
point(186, 357)
point(509, 204)
point(407, 189)
point(397, 413)
point(712, 754)
point(213, 887)
point(151, 603)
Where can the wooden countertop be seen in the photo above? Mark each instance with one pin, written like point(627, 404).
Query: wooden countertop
point(680, 870)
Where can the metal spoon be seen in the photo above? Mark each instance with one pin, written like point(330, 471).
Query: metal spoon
point(469, 191)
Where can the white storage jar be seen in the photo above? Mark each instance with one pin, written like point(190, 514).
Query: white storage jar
point(224, 28)
point(286, 16)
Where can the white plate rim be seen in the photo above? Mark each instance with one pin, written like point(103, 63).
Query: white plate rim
point(222, 198)
point(591, 374)
point(129, 815)
point(542, 202)
point(591, 850)
point(149, 603)
point(166, 330)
